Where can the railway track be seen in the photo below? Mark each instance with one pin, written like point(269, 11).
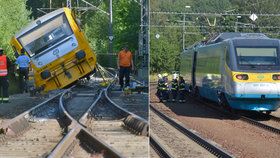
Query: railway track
point(236, 136)
point(264, 121)
point(79, 142)
point(52, 129)
point(156, 149)
point(51, 125)
point(135, 103)
point(27, 135)
point(267, 122)
point(215, 150)
point(121, 129)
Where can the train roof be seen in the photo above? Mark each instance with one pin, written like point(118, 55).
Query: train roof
point(230, 35)
point(42, 19)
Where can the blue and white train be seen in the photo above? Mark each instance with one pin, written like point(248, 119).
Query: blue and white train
point(238, 70)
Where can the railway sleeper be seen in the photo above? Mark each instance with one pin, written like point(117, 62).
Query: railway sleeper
point(136, 125)
point(15, 128)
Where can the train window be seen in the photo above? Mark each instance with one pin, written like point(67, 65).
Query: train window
point(46, 35)
point(257, 56)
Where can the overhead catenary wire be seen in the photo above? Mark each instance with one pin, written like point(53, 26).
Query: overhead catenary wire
point(215, 14)
point(218, 26)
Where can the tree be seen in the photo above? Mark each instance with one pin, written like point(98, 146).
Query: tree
point(13, 16)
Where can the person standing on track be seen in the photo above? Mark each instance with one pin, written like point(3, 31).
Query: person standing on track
point(23, 63)
point(125, 65)
point(4, 83)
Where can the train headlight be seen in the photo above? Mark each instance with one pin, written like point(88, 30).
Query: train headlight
point(45, 74)
point(80, 55)
point(242, 76)
point(276, 77)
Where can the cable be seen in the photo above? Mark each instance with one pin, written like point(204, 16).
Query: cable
point(217, 26)
point(213, 14)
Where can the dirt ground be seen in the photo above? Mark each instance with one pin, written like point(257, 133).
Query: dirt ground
point(239, 138)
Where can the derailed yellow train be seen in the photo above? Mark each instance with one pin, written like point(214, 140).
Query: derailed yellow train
point(59, 51)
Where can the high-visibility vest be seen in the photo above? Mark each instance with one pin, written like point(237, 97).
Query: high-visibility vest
point(3, 66)
point(162, 85)
point(182, 85)
point(174, 85)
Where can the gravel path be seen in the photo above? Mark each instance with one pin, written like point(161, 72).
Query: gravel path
point(135, 103)
point(276, 113)
point(239, 138)
point(174, 141)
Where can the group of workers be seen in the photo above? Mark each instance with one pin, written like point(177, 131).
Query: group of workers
point(175, 89)
point(22, 62)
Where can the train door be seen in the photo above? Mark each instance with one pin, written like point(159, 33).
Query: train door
point(194, 69)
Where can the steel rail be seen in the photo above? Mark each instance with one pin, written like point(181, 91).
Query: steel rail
point(217, 151)
point(259, 124)
point(126, 112)
point(7, 126)
point(78, 128)
point(159, 149)
point(274, 118)
point(242, 118)
point(130, 122)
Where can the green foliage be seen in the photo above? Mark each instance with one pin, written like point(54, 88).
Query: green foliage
point(126, 23)
point(164, 51)
point(13, 16)
point(126, 26)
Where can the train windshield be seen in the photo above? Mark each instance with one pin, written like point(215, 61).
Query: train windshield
point(257, 56)
point(46, 35)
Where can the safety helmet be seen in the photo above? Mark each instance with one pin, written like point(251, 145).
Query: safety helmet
point(209, 76)
point(175, 76)
point(159, 76)
point(164, 74)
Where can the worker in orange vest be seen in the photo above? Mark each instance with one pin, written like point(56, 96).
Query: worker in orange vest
point(4, 84)
point(125, 65)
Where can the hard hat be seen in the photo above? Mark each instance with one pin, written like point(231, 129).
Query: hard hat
point(164, 74)
point(209, 76)
point(175, 75)
point(159, 76)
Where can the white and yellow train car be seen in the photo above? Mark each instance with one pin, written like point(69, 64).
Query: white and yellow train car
point(59, 51)
point(239, 70)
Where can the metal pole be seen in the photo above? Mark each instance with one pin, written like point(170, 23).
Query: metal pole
point(184, 27)
point(69, 5)
point(111, 28)
point(50, 4)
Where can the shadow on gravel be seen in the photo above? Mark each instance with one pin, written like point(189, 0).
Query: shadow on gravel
point(195, 109)
point(18, 104)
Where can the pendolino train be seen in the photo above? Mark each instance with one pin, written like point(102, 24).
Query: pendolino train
point(237, 70)
point(59, 51)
